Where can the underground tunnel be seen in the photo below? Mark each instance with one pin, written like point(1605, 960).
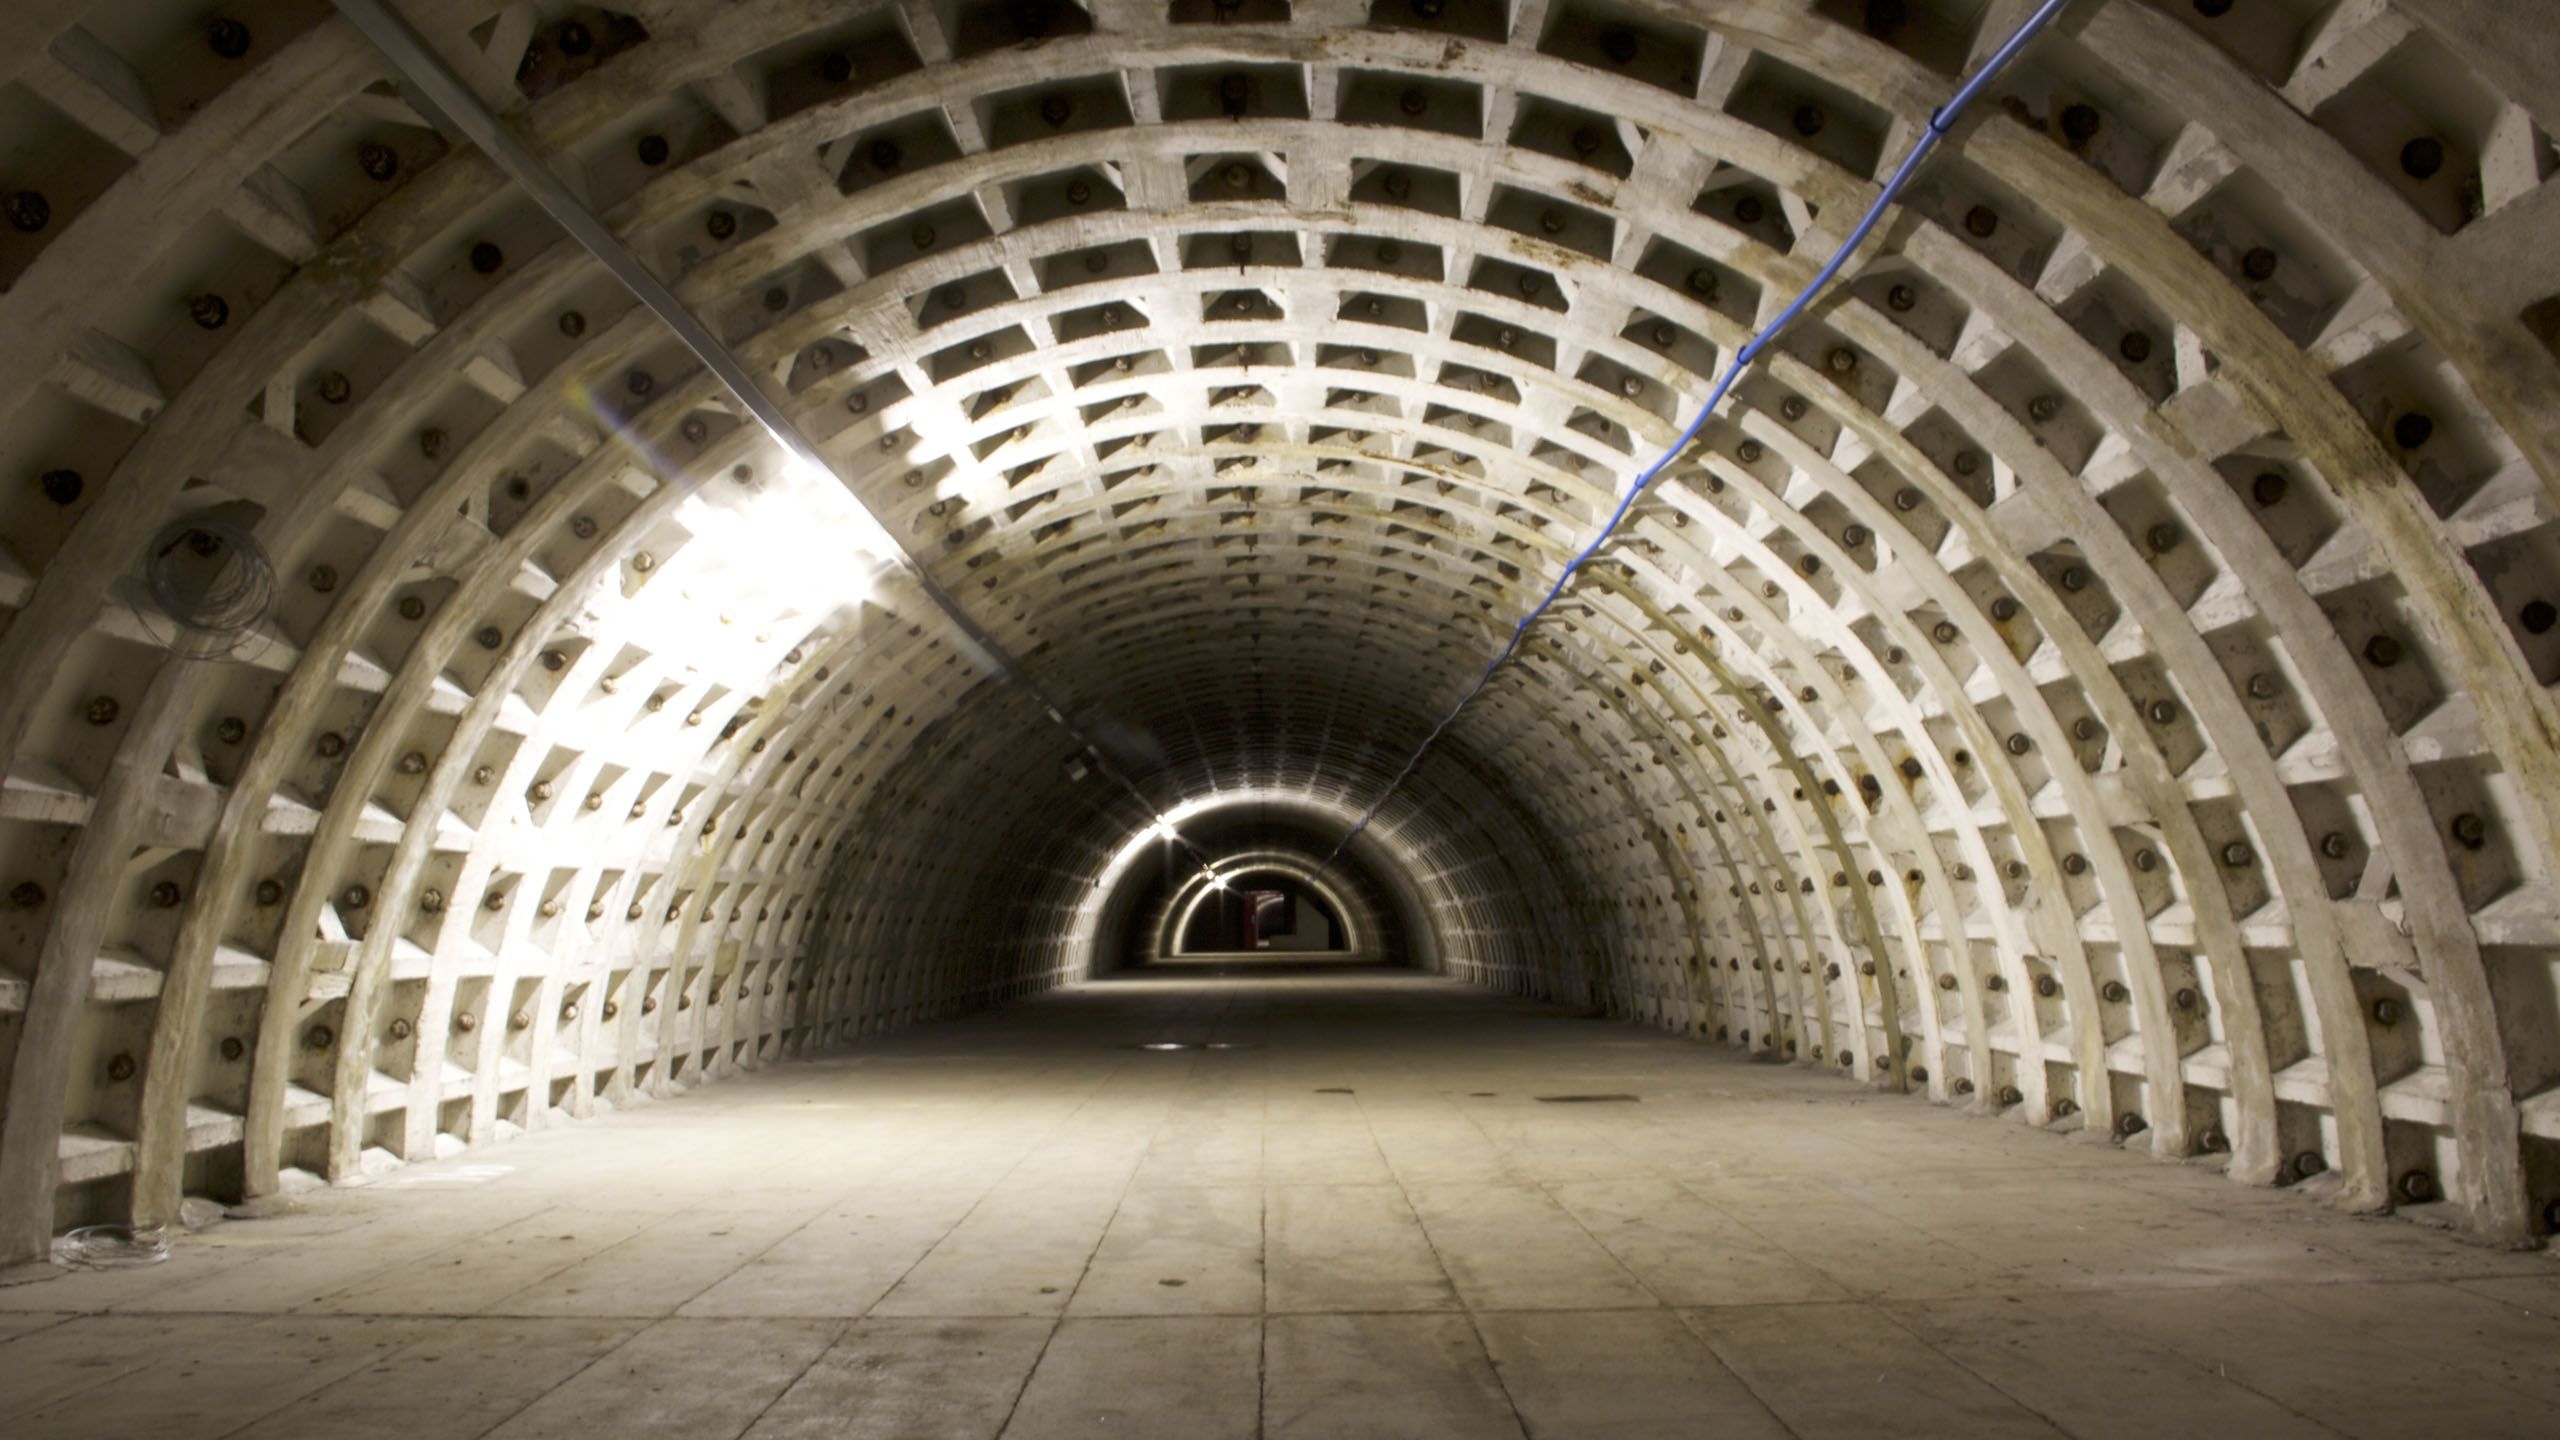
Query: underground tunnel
point(1420, 718)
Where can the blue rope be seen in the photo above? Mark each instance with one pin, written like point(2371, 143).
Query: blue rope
point(1939, 122)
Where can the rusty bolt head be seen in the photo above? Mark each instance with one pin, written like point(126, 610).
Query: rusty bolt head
point(268, 892)
point(2417, 1187)
point(431, 901)
point(2382, 652)
point(232, 1048)
point(2259, 263)
point(2470, 831)
point(166, 895)
point(2114, 992)
point(2335, 845)
point(101, 710)
point(209, 311)
point(2047, 987)
point(1981, 222)
point(466, 1022)
point(490, 637)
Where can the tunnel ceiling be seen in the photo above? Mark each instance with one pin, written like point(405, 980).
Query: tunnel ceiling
point(2095, 672)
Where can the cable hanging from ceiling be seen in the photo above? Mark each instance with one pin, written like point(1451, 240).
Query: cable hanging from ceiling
point(1940, 122)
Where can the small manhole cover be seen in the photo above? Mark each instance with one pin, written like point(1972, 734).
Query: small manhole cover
point(1586, 1099)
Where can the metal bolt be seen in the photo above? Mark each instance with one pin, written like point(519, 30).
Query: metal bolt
point(166, 895)
point(102, 710)
point(27, 210)
point(62, 487)
point(431, 901)
point(319, 1037)
point(269, 892)
point(2334, 845)
point(227, 38)
point(2470, 830)
point(2259, 263)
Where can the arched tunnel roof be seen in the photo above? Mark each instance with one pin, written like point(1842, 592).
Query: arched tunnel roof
point(2096, 670)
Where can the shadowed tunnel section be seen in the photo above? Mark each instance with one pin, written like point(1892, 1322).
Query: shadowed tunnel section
point(2093, 674)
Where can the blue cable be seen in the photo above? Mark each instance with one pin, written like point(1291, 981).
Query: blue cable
point(1939, 121)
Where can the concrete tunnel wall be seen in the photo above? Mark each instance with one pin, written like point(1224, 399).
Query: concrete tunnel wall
point(2096, 675)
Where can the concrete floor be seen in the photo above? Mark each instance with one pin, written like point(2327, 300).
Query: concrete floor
point(1361, 1220)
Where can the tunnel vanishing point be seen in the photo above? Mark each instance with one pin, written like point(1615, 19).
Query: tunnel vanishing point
point(843, 515)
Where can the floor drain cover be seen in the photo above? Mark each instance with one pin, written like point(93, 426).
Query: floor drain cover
point(1586, 1099)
